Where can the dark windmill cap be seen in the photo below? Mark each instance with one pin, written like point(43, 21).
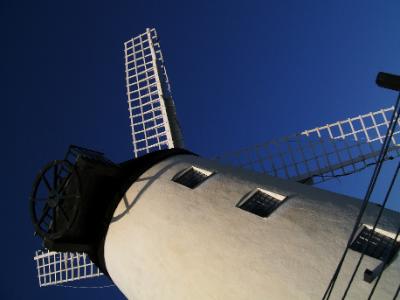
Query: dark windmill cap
point(80, 223)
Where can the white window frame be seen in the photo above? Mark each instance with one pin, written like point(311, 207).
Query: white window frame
point(278, 197)
point(207, 173)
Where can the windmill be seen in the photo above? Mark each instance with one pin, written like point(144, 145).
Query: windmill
point(310, 157)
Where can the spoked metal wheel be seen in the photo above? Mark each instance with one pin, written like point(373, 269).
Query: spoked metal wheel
point(54, 199)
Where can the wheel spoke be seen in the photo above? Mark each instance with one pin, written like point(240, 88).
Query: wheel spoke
point(61, 187)
point(46, 182)
point(64, 214)
point(53, 221)
point(45, 212)
point(63, 168)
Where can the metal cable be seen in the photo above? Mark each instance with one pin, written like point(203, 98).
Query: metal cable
point(85, 287)
point(371, 233)
point(385, 262)
point(370, 189)
point(397, 293)
point(371, 186)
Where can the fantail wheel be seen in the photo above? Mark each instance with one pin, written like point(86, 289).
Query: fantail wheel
point(54, 199)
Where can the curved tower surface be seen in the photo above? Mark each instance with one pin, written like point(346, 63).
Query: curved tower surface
point(189, 228)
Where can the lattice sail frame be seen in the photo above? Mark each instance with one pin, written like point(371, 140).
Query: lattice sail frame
point(151, 108)
point(325, 152)
point(54, 268)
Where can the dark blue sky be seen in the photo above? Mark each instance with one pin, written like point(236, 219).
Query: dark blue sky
point(241, 73)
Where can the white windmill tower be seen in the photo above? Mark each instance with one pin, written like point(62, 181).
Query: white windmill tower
point(172, 225)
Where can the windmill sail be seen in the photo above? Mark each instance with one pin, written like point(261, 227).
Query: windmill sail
point(152, 112)
point(322, 153)
point(59, 267)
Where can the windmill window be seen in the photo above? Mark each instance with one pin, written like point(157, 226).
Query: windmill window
point(377, 244)
point(192, 177)
point(261, 202)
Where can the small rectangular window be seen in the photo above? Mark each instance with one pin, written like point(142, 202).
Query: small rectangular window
point(192, 177)
point(377, 244)
point(261, 202)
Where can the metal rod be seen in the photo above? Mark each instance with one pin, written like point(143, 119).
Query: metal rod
point(370, 189)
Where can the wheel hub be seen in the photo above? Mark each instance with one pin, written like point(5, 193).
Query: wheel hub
point(54, 199)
